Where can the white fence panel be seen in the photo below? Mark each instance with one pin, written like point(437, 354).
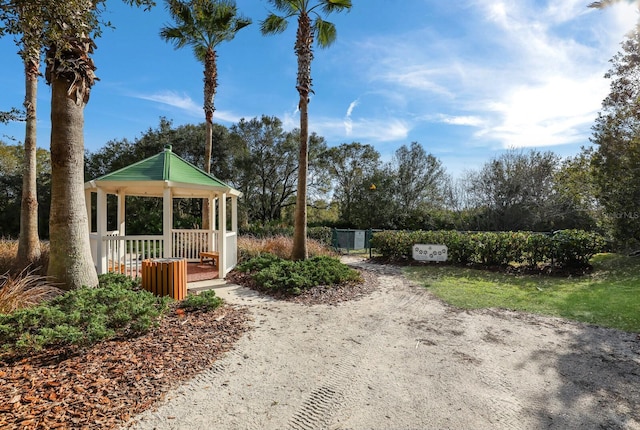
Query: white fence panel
point(125, 253)
point(189, 243)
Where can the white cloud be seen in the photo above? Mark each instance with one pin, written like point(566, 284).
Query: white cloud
point(529, 74)
point(186, 104)
point(348, 123)
point(555, 112)
point(468, 120)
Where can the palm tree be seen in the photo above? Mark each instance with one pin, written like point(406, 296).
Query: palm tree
point(203, 25)
point(21, 18)
point(31, 29)
point(68, 35)
point(325, 34)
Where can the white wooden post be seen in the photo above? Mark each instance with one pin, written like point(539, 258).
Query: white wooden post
point(212, 221)
point(101, 227)
point(87, 204)
point(222, 235)
point(234, 214)
point(167, 221)
point(121, 214)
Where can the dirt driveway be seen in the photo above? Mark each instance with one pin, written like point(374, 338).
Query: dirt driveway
point(400, 359)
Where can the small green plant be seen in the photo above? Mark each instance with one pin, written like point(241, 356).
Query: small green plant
point(82, 317)
point(205, 301)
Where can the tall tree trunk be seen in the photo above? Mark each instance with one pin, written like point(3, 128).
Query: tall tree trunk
point(304, 41)
point(70, 261)
point(210, 85)
point(29, 242)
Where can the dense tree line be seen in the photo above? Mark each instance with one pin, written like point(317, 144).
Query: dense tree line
point(349, 184)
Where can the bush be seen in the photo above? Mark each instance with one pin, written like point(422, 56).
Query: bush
point(205, 301)
point(566, 248)
point(293, 277)
point(82, 317)
point(574, 248)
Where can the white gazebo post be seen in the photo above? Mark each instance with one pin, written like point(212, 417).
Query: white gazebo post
point(87, 204)
point(222, 235)
point(167, 221)
point(234, 214)
point(212, 221)
point(101, 228)
point(121, 214)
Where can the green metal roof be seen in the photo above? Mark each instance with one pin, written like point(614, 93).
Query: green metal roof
point(165, 166)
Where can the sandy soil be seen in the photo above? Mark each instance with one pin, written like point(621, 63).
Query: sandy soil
point(401, 359)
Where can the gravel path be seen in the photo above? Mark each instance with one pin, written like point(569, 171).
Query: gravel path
point(401, 359)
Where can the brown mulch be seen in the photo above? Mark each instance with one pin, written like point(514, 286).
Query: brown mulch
point(320, 295)
point(104, 386)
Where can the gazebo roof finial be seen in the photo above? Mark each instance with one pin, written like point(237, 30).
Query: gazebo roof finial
point(167, 147)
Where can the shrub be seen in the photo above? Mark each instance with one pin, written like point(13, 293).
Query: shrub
point(82, 317)
point(205, 301)
point(574, 248)
point(293, 277)
point(537, 249)
point(258, 263)
point(563, 248)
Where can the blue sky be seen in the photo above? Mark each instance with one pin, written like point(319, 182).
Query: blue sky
point(465, 78)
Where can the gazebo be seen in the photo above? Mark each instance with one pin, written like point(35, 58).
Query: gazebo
point(165, 176)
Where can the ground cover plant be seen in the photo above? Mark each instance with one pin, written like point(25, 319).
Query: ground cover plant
point(284, 277)
point(608, 296)
point(82, 317)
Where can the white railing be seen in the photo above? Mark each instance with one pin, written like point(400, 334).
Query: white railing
point(124, 254)
point(189, 243)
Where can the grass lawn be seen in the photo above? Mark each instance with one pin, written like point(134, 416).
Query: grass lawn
point(609, 296)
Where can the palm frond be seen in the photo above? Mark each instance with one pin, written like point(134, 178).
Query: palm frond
point(325, 32)
point(288, 7)
point(330, 6)
point(273, 24)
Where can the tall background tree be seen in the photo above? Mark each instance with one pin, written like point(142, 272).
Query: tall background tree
point(203, 25)
point(308, 30)
point(23, 20)
point(348, 164)
point(616, 134)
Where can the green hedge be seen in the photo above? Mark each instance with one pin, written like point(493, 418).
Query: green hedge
point(566, 248)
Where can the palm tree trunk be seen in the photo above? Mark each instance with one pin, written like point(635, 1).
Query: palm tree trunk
point(29, 242)
point(70, 261)
point(210, 85)
point(304, 41)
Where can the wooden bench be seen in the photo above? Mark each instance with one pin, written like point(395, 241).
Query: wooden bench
point(212, 255)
